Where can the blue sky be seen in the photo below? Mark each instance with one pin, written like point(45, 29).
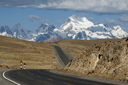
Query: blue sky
point(31, 13)
point(31, 18)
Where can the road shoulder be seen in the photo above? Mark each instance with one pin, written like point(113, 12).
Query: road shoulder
point(4, 81)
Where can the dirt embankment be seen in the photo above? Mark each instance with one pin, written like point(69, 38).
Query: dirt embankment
point(108, 60)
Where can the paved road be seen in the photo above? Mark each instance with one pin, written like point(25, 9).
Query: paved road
point(4, 81)
point(43, 77)
point(46, 77)
point(63, 58)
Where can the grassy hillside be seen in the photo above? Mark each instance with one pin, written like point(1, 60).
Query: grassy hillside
point(39, 55)
point(35, 55)
point(75, 47)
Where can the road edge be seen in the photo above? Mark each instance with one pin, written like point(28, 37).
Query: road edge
point(3, 74)
point(58, 57)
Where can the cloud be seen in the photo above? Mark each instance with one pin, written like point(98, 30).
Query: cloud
point(59, 21)
point(96, 6)
point(111, 22)
point(35, 18)
point(45, 20)
point(91, 18)
point(124, 18)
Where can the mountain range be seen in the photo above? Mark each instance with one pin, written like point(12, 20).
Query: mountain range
point(75, 27)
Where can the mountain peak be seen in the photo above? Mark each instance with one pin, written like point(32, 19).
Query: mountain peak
point(44, 28)
point(18, 24)
point(78, 18)
point(116, 27)
point(76, 23)
point(6, 26)
point(43, 25)
point(75, 27)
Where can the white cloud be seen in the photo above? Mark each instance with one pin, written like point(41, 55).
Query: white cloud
point(98, 6)
point(91, 18)
point(111, 22)
point(45, 20)
point(59, 21)
point(36, 19)
point(124, 18)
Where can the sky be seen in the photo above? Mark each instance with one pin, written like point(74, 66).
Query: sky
point(31, 13)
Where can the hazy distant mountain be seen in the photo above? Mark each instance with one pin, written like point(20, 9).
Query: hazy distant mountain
point(42, 37)
point(6, 31)
point(45, 28)
point(44, 32)
point(75, 27)
point(53, 39)
point(19, 32)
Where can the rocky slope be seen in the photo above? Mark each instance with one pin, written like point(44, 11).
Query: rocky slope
point(53, 39)
point(109, 60)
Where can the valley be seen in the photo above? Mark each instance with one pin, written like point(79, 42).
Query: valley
point(40, 56)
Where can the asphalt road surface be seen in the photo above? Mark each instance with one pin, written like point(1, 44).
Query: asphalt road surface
point(63, 57)
point(43, 77)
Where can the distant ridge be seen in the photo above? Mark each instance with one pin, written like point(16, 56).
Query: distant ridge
point(53, 39)
point(75, 27)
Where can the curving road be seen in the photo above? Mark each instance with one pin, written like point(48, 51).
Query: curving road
point(46, 77)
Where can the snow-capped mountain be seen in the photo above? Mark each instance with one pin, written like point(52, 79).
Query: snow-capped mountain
point(45, 28)
point(44, 32)
point(117, 31)
point(76, 23)
point(19, 32)
point(5, 31)
point(16, 32)
point(75, 27)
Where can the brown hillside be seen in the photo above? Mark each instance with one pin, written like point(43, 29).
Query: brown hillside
point(75, 47)
point(35, 55)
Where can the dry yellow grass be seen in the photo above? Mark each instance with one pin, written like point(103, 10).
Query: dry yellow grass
point(35, 55)
point(75, 47)
point(39, 55)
